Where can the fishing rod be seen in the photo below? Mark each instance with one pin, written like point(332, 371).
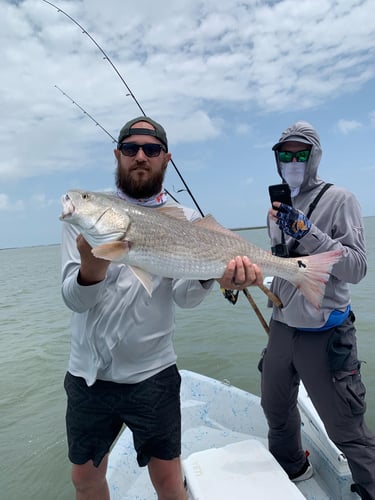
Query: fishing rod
point(264, 289)
point(130, 93)
point(228, 294)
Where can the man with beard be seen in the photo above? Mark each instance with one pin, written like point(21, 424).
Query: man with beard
point(122, 366)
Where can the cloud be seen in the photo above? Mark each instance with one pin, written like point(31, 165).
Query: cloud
point(35, 202)
point(42, 201)
point(213, 73)
point(347, 126)
point(6, 205)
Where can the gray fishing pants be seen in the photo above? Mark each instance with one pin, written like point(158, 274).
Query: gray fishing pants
point(328, 365)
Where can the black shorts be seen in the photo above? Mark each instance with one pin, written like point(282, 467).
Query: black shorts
point(151, 410)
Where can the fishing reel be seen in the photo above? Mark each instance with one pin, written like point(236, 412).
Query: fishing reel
point(230, 295)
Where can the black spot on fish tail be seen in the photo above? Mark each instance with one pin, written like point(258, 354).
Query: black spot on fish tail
point(300, 263)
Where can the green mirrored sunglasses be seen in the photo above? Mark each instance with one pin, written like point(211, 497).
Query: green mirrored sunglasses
point(287, 156)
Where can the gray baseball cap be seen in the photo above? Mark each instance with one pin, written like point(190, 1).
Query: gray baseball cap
point(158, 132)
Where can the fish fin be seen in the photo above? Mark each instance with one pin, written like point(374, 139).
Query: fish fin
point(115, 251)
point(175, 212)
point(111, 251)
point(209, 222)
point(144, 277)
point(314, 275)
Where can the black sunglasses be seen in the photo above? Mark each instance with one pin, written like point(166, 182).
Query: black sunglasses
point(131, 149)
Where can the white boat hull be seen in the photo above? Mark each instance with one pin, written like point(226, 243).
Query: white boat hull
point(216, 416)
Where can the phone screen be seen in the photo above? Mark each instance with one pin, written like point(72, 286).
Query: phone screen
point(281, 193)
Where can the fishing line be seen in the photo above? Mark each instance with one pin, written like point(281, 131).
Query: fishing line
point(85, 112)
point(130, 93)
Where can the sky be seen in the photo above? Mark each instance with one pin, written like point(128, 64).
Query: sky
point(224, 78)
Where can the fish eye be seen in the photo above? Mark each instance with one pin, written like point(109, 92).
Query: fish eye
point(85, 196)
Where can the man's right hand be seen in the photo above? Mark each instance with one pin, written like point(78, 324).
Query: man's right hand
point(92, 270)
point(290, 220)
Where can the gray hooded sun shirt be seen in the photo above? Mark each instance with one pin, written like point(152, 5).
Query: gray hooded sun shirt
point(336, 225)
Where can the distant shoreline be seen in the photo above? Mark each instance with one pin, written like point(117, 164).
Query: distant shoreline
point(251, 228)
point(31, 246)
point(247, 228)
point(57, 244)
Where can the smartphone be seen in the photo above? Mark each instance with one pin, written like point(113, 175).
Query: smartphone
point(281, 193)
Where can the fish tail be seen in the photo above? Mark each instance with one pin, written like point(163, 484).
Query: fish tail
point(314, 273)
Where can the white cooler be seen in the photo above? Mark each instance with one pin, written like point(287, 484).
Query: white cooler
point(239, 471)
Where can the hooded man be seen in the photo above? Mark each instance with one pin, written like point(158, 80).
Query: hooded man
point(316, 346)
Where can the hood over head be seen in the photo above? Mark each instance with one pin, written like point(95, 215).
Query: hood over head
point(302, 131)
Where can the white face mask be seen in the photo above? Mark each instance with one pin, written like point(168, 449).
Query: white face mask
point(293, 173)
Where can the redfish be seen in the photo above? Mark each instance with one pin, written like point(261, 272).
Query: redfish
point(162, 241)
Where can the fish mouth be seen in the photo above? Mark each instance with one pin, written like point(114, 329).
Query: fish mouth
point(68, 207)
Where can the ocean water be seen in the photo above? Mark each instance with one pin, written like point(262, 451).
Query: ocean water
point(217, 338)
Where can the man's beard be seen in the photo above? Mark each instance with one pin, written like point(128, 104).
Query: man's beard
point(139, 188)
